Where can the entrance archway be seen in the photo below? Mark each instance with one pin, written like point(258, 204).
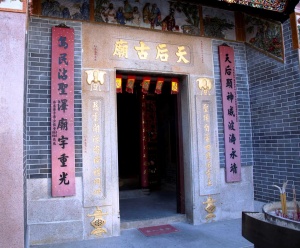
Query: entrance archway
point(149, 142)
point(99, 99)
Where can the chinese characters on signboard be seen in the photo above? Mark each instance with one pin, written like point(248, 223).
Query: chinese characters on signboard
point(144, 145)
point(230, 114)
point(207, 142)
point(62, 112)
point(181, 54)
point(97, 182)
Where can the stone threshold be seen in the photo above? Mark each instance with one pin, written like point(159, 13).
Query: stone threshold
point(153, 222)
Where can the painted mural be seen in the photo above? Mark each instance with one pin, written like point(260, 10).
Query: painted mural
point(274, 5)
point(158, 15)
point(298, 26)
point(67, 9)
point(265, 36)
point(218, 23)
point(13, 6)
point(172, 16)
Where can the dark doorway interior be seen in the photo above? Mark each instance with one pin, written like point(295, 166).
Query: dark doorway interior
point(163, 152)
point(128, 140)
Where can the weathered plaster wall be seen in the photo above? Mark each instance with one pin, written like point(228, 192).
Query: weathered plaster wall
point(275, 108)
point(12, 52)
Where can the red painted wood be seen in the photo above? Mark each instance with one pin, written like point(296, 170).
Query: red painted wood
point(230, 114)
point(62, 119)
point(144, 148)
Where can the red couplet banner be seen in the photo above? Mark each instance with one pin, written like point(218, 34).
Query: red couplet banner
point(230, 114)
point(144, 145)
point(62, 112)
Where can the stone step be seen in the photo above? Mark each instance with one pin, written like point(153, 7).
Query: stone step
point(128, 194)
point(153, 222)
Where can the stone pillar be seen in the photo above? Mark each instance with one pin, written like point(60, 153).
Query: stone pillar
point(12, 54)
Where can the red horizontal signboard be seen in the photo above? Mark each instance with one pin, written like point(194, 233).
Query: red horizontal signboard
point(62, 112)
point(230, 114)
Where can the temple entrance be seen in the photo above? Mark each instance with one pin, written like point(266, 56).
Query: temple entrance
point(149, 150)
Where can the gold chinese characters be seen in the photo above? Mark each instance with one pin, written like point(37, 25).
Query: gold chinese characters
point(96, 147)
point(144, 51)
point(207, 141)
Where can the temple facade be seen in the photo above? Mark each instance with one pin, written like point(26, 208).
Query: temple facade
point(103, 102)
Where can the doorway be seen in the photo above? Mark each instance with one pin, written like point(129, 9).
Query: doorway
point(149, 138)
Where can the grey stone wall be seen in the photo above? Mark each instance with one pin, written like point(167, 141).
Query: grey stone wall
point(243, 99)
point(275, 108)
point(38, 109)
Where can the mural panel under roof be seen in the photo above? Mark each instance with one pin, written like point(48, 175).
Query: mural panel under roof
point(265, 36)
point(218, 23)
point(67, 9)
point(176, 17)
point(159, 15)
point(274, 5)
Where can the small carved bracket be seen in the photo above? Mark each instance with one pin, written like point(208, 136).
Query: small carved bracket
point(210, 209)
point(205, 85)
point(95, 78)
point(98, 222)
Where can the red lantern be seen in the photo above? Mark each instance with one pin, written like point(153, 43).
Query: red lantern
point(174, 86)
point(159, 85)
point(145, 84)
point(119, 83)
point(130, 84)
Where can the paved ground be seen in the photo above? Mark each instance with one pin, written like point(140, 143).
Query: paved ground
point(221, 234)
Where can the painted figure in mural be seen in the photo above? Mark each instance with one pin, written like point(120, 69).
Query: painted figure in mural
point(136, 16)
point(128, 11)
point(66, 13)
point(169, 21)
point(216, 27)
point(120, 16)
point(51, 8)
point(155, 17)
point(163, 26)
point(110, 14)
point(146, 13)
point(85, 10)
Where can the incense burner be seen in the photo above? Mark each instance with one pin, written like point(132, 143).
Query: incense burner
point(272, 228)
point(273, 214)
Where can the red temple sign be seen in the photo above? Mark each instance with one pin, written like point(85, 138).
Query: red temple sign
point(230, 114)
point(62, 112)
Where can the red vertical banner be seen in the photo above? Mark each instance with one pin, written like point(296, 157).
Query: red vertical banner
point(62, 112)
point(230, 114)
point(144, 145)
